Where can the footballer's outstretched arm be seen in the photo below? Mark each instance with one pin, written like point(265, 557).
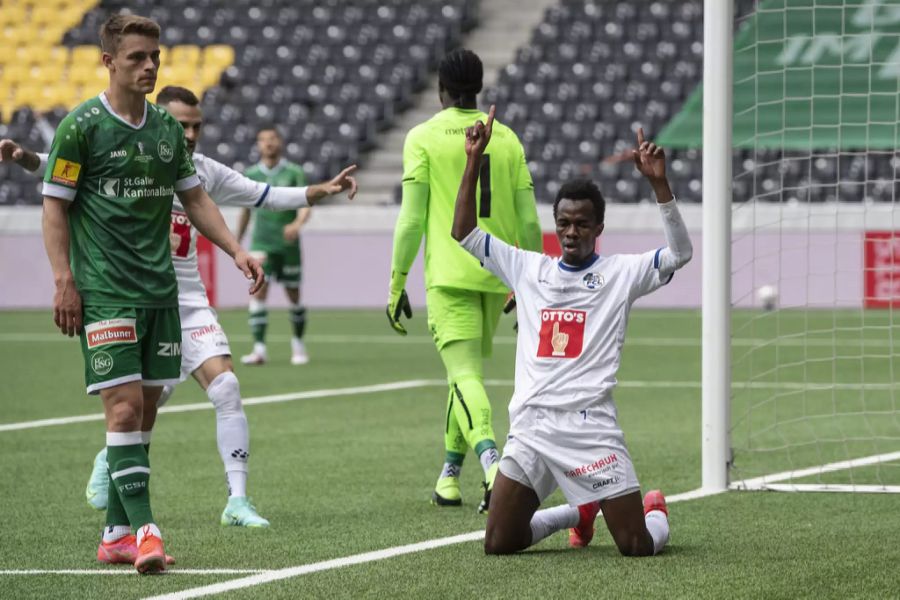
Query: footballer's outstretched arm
point(477, 138)
point(650, 161)
point(205, 216)
point(10, 151)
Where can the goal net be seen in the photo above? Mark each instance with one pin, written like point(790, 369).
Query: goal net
point(815, 253)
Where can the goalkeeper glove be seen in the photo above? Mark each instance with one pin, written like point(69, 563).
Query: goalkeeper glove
point(509, 307)
point(398, 302)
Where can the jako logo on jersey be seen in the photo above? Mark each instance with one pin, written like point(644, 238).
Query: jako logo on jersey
point(164, 149)
point(562, 333)
point(169, 349)
point(592, 281)
point(118, 153)
point(112, 331)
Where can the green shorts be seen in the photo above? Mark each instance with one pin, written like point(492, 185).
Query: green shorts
point(130, 344)
point(455, 314)
point(283, 266)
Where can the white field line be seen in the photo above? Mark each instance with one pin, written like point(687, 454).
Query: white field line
point(356, 559)
point(390, 339)
point(761, 483)
point(419, 383)
point(126, 571)
point(307, 395)
point(833, 487)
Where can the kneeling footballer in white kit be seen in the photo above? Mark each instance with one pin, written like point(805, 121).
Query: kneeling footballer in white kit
point(572, 316)
point(205, 353)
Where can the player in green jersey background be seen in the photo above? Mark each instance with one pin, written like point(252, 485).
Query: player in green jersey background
point(276, 242)
point(114, 165)
point(464, 301)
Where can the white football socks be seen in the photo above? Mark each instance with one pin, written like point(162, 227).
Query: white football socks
point(488, 458)
point(237, 483)
point(148, 529)
point(658, 526)
point(115, 533)
point(550, 520)
point(232, 431)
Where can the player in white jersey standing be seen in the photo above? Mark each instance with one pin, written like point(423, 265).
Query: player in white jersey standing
point(572, 316)
point(205, 351)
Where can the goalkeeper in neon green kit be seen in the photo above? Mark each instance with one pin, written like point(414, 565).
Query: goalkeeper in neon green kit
point(464, 301)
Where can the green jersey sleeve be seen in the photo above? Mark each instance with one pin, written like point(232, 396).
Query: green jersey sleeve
point(415, 158)
point(187, 172)
point(67, 161)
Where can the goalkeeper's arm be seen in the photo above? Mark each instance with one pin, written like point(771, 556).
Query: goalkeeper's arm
point(407, 239)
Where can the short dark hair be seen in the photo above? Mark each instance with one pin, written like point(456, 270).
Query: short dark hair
point(460, 72)
point(582, 189)
point(269, 127)
point(175, 93)
point(118, 26)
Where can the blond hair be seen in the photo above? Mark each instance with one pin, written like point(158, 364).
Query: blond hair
point(118, 26)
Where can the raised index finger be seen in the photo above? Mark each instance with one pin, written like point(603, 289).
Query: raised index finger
point(491, 113)
point(640, 135)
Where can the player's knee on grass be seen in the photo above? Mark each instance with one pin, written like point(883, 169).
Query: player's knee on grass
point(500, 540)
point(632, 542)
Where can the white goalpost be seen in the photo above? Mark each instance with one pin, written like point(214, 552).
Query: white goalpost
point(716, 294)
point(801, 246)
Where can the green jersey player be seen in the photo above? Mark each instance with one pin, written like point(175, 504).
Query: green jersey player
point(114, 165)
point(276, 242)
point(464, 301)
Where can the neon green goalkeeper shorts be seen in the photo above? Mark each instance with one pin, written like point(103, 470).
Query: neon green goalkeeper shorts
point(455, 314)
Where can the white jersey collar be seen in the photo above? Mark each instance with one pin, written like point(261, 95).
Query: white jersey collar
point(105, 101)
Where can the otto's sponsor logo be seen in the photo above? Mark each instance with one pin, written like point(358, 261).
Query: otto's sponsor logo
point(562, 333)
point(204, 331)
point(101, 363)
point(169, 349)
point(165, 151)
point(111, 331)
point(601, 465)
point(65, 171)
point(121, 153)
point(180, 235)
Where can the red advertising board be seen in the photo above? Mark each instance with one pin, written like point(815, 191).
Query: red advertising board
point(881, 282)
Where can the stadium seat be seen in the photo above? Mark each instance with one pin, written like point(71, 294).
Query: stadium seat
point(349, 66)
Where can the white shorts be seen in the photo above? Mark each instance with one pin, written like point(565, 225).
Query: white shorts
point(201, 338)
point(582, 453)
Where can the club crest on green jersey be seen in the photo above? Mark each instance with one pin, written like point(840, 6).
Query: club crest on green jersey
point(165, 151)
